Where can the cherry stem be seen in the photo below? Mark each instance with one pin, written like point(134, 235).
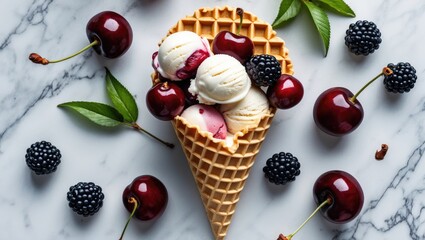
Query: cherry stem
point(140, 129)
point(326, 202)
point(36, 58)
point(136, 205)
point(385, 71)
point(239, 11)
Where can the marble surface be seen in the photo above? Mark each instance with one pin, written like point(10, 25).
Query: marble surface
point(35, 206)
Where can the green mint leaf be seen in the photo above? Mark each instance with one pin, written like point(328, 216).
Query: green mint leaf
point(121, 98)
point(321, 20)
point(339, 6)
point(99, 113)
point(288, 9)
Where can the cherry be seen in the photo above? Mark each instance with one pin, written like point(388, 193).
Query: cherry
point(345, 193)
point(184, 85)
point(190, 99)
point(112, 31)
point(146, 198)
point(165, 101)
point(286, 93)
point(235, 45)
point(109, 33)
point(338, 112)
point(339, 197)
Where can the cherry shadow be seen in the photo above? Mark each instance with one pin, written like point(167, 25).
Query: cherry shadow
point(327, 141)
point(142, 228)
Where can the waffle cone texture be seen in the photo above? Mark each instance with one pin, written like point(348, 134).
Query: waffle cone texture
point(220, 170)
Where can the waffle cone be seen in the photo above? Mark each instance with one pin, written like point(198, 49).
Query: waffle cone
point(221, 170)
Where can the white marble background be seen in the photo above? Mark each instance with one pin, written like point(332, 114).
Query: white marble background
point(34, 207)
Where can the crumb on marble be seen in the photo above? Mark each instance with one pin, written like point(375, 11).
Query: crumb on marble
point(379, 155)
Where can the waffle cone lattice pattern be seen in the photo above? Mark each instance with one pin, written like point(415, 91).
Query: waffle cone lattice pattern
point(220, 175)
point(207, 22)
point(221, 172)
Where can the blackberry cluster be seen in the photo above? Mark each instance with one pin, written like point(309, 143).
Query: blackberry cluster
point(363, 37)
point(85, 198)
point(43, 157)
point(402, 78)
point(282, 168)
point(264, 70)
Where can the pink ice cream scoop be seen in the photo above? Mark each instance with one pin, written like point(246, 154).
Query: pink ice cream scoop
point(207, 118)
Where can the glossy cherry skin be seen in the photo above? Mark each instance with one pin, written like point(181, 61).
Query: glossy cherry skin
point(184, 85)
point(334, 112)
point(286, 92)
point(237, 46)
point(165, 101)
point(190, 99)
point(150, 194)
point(345, 192)
point(112, 31)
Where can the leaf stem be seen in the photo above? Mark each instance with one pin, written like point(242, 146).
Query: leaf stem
point(136, 205)
point(140, 129)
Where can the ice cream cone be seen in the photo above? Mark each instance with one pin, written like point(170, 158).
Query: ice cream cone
point(221, 171)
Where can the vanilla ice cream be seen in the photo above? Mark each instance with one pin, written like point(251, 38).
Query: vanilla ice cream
point(246, 113)
point(220, 79)
point(180, 54)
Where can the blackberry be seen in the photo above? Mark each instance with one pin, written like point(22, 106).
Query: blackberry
point(363, 37)
point(85, 198)
point(401, 79)
point(281, 168)
point(43, 157)
point(263, 70)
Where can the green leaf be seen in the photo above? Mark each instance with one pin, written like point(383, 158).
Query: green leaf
point(338, 6)
point(288, 9)
point(121, 98)
point(321, 20)
point(98, 113)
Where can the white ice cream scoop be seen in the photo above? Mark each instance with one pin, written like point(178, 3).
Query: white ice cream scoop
point(220, 79)
point(246, 113)
point(180, 54)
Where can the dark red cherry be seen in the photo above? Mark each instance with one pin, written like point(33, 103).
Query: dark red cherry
point(165, 101)
point(146, 198)
point(113, 32)
point(235, 45)
point(336, 112)
point(190, 99)
point(184, 85)
point(109, 33)
point(345, 193)
point(286, 92)
point(150, 194)
point(339, 197)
